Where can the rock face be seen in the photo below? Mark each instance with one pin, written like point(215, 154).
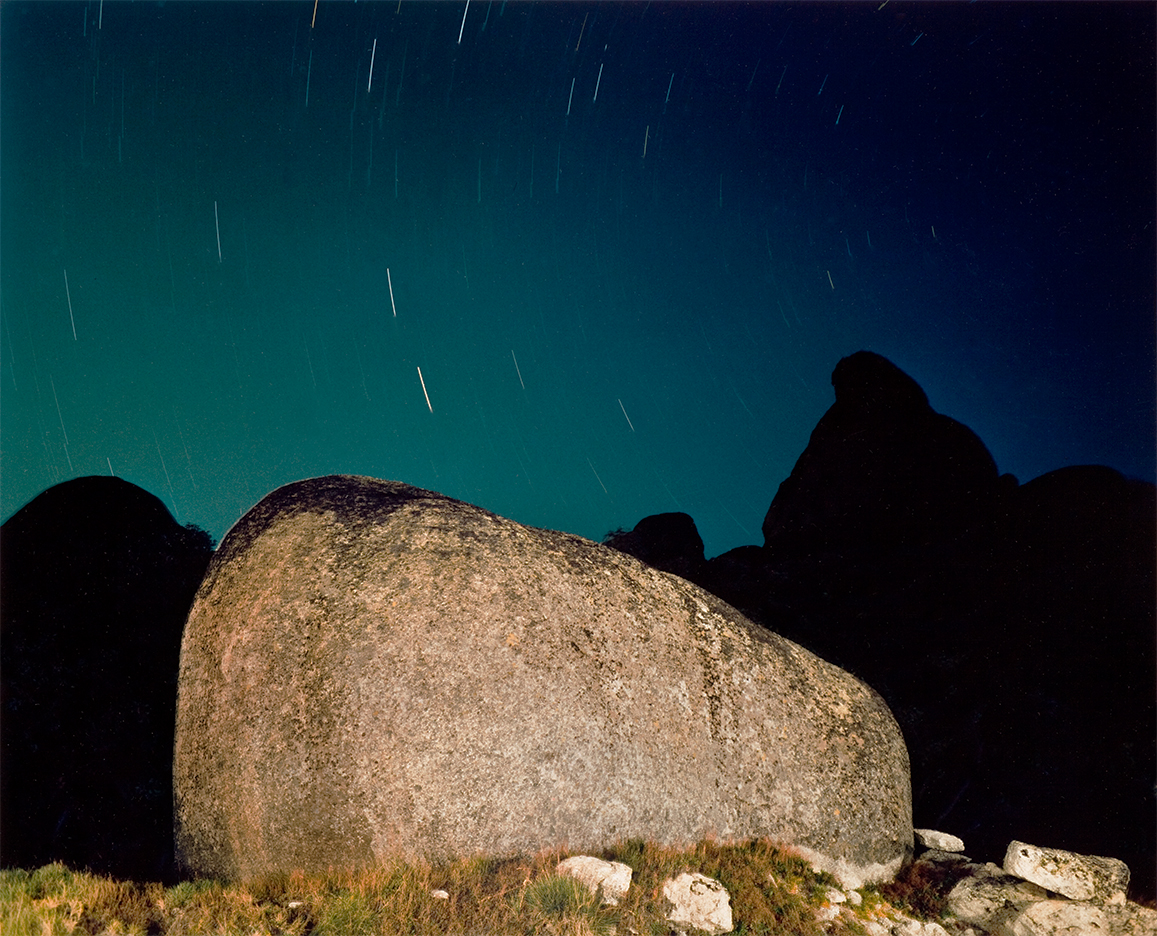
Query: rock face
point(371, 670)
point(96, 579)
point(1006, 625)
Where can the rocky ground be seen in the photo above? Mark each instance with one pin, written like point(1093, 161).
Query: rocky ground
point(1037, 892)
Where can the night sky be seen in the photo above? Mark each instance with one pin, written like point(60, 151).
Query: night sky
point(625, 244)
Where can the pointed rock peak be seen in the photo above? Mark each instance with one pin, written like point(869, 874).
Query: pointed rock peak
point(866, 380)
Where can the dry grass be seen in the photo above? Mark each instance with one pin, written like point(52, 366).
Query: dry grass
point(922, 890)
point(772, 892)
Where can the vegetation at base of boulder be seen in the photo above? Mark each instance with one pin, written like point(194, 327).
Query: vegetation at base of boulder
point(772, 892)
point(922, 890)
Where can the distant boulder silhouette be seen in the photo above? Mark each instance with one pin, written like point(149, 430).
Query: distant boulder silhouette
point(667, 541)
point(96, 578)
point(1075, 658)
point(1011, 628)
point(882, 471)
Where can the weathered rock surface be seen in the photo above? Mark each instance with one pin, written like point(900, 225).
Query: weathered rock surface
point(610, 879)
point(1060, 918)
point(95, 581)
point(1130, 919)
point(698, 902)
point(1081, 877)
point(373, 670)
point(992, 899)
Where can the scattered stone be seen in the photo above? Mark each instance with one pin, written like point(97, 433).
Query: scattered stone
point(611, 879)
point(1081, 877)
point(699, 902)
point(916, 928)
point(941, 841)
point(855, 898)
point(439, 895)
point(827, 913)
point(835, 896)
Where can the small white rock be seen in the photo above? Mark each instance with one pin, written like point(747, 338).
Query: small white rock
point(294, 904)
point(613, 877)
point(835, 896)
point(439, 895)
point(916, 928)
point(855, 898)
point(699, 901)
point(941, 841)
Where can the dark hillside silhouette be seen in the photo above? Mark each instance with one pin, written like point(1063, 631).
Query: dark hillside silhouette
point(96, 578)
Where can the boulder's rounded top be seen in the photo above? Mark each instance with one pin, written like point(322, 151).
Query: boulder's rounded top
point(96, 501)
point(866, 380)
point(353, 499)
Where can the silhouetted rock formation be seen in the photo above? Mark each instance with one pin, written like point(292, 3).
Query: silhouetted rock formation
point(1010, 628)
point(95, 580)
point(371, 670)
point(666, 541)
point(882, 471)
point(1075, 656)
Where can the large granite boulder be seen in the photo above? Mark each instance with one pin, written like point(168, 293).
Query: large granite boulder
point(373, 670)
point(96, 578)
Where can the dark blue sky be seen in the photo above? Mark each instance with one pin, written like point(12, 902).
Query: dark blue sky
point(629, 309)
